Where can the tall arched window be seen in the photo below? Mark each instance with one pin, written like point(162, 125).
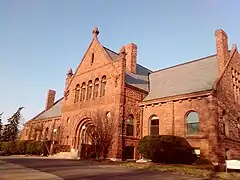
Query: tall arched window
point(46, 134)
point(154, 125)
point(89, 90)
point(192, 123)
point(83, 91)
point(130, 125)
point(103, 86)
point(96, 88)
point(77, 93)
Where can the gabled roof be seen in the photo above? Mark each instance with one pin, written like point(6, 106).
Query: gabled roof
point(195, 76)
point(54, 111)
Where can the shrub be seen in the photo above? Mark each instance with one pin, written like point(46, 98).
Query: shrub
point(1, 144)
point(21, 147)
point(202, 161)
point(9, 147)
point(167, 149)
point(25, 147)
point(61, 148)
point(37, 147)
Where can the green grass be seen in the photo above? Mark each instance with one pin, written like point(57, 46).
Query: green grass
point(189, 170)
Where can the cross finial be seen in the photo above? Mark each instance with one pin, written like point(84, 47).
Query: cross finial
point(95, 31)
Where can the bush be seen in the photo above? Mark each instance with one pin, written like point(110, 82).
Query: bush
point(62, 148)
point(9, 147)
point(167, 149)
point(21, 147)
point(25, 147)
point(202, 161)
point(38, 147)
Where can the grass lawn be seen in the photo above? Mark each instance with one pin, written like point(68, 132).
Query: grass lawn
point(190, 170)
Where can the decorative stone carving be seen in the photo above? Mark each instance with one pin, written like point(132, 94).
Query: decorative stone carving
point(66, 94)
point(116, 80)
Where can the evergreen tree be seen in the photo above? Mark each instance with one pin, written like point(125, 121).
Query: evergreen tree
point(11, 129)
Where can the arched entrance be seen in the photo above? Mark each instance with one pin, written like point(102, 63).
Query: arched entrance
point(83, 141)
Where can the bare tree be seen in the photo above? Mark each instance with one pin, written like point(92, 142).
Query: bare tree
point(36, 131)
point(102, 131)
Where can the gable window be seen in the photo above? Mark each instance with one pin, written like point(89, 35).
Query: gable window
point(103, 86)
point(192, 123)
point(225, 123)
point(130, 125)
point(83, 91)
point(154, 125)
point(89, 90)
point(96, 88)
point(92, 59)
point(77, 93)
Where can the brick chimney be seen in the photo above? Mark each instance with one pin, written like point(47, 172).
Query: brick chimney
point(131, 58)
point(222, 48)
point(50, 99)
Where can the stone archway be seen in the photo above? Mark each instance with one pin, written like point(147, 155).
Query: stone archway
point(82, 140)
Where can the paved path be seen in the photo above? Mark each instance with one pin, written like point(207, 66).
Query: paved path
point(25, 168)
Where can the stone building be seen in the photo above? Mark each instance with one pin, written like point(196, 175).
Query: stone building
point(198, 100)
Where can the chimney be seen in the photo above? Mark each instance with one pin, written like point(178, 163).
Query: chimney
point(50, 99)
point(222, 48)
point(131, 57)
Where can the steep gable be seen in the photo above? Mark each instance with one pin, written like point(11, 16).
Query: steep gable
point(95, 57)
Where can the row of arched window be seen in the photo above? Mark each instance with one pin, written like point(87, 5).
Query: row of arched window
point(91, 89)
point(192, 124)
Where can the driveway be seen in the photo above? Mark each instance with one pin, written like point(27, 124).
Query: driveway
point(21, 168)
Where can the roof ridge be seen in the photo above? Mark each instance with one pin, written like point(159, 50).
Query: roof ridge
point(181, 64)
point(111, 50)
point(145, 67)
point(34, 117)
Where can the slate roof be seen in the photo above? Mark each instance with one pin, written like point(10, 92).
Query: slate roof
point(194, 76)
point(54, 111)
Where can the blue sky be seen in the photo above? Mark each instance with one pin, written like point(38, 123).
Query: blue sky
point(41, 39)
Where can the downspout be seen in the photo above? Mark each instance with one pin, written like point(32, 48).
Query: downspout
point(173, 119)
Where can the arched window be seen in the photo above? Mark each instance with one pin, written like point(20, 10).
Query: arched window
point(83, 91)
point(103, 86)
point(192, 123)
point(130, 125)
point(154, 125)
point(46, 134)
point(238, 127)
point(96, 88)
point(89, 90)
point(77, 93)
point(225, 124)
point(108, 115)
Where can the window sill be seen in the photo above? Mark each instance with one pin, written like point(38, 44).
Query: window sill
point(195, 136)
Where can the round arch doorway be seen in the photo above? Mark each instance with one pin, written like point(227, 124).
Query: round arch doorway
point(84, 142)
